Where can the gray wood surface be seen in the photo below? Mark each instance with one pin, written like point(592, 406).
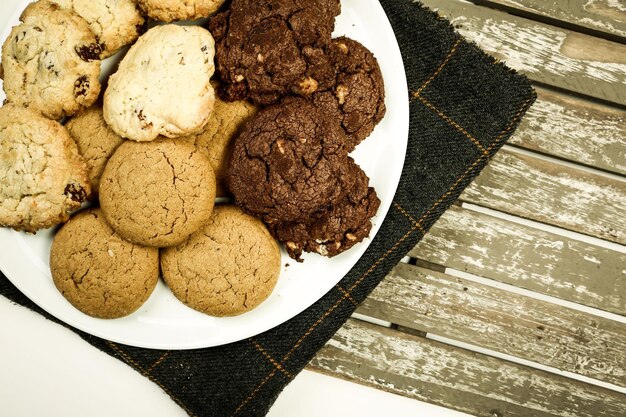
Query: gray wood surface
point(527, 258)
point(502, 321)
point(575, 129)
point(551, 193)
point(558, 57)
point(608, 16)
point(455, 378)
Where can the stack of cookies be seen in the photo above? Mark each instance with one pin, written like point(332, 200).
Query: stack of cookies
point(150, 155)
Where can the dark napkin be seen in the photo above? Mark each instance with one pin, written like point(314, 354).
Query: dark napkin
point(464, 106)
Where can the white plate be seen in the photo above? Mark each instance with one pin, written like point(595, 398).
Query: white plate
point(163, 322)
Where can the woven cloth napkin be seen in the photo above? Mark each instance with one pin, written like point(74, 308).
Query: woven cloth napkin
point(463, 107)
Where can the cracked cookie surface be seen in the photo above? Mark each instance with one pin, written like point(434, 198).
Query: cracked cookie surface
point(115, 23)
point(97, 271)
point(357, 97)
point(42, 175)
point(340, 228)
point(157, 193)
point(51, 61)
point(162, 86)
point(171, 10)
point(227, 268)
point(287, 163)
point(96, 142)
point(217, 139)
point(267, 49)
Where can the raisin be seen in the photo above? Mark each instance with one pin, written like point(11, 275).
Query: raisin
point(76, 193)
point(38, 29)
point(143, 28)
point(81, 85)
point(89, 52)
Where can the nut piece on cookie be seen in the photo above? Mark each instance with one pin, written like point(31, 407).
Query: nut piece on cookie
point(229, 267)
point(172, 10)
point(268, 49)
point(96, 142)
point(97, 271)
point(162, 86)
point(357, 97)
point(157, 193)
point(42, 175)
point(51, 61)
point(217, 139)
point(115, 23)
point(287, 163)
point(340, 228)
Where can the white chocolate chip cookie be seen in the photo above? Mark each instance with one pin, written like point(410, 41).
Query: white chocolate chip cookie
point(42, 176)
point(171, 10)
point(51, 62)
point(162, 86)
point(115, 23)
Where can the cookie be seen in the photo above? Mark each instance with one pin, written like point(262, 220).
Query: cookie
point(287, 163)
point(229, 267)
point(171, 10)
point(162, 86)
point(51, 62)
point(115, 23)
point(340, 228)
point(42, 176)
point(267, 49)
point(96, 142)
point(157, 193)
point(97, 271)
point(218, 136)
point(357, 98)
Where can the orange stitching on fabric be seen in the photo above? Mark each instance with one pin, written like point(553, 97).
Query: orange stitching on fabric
point(130, 360)
point(408, 216)
point(441, 67)
point(398, 243)
point(253, 394)
point(158, 361)
point(347, 295)
point(269, 358)
point(452, 123)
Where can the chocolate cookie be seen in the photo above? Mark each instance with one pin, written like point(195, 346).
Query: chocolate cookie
point(357, 98)
point(97, 271)
point(42, 176)
point(267, 49)
point(341, 227)
point(157, 193)
point(229, 267)
point(287, 164)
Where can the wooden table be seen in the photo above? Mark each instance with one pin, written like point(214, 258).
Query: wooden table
point(515, 303)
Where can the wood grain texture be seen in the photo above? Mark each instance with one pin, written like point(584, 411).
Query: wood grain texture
point(527, 258)
point(575, 129)
point(554, 56)
point(457, 379)
point(608, 16)
point(552, 193)
point(499, 320)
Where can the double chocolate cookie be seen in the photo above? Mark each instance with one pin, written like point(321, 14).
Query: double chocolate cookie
point(288, 164)
point(267, 49)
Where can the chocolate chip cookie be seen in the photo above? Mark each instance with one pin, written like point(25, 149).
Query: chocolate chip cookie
point(341, 227)
point(287, 163)
point(51, 61)
point(357, 97)
point(267, 49)
point(42, 176)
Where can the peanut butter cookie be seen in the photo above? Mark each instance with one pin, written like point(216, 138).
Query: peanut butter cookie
point(97, 271)
point(229, 267)
point(171, 10)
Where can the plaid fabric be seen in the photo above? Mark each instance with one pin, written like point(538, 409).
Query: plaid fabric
point(464, 106)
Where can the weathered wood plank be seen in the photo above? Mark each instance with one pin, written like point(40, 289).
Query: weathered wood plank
point(552, 193)
point(503, 321)
point(527, 258)
point(608, 16)
point(559, 57)
point(457, 379)
point(575, 129)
